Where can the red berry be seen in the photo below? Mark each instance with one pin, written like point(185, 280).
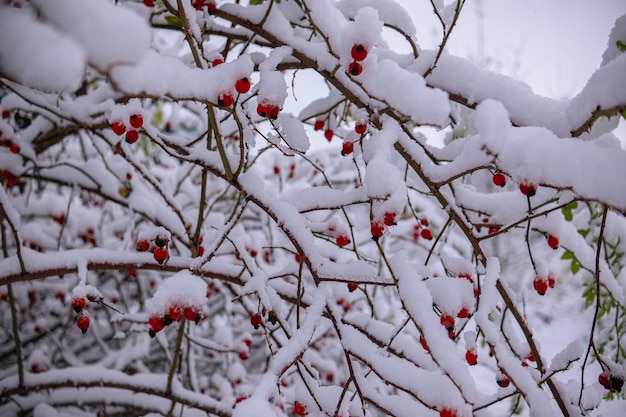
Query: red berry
point(160, 255)
point(347, 148)
point(360, 128)
point(528, 189)
point(423, 342)
point(427, 234)
point(499, 179)
point(358, 52)
point(342, 240)
point(551, 280)
point(211, 7)
point(148, 3)
point(503, 381)
point(160, 241)
point(298, 258)
point(156, 323)
point(200, 250)
point(243, 355)
point(242, 85)
point(377, 229)
point(328, 134)
point(14, 147)
point(553, 242)
point(132, 272)
point(192, 314)
point(255, 320)
point(424, 221)
point(299, 409)
point(6, 114)
point(263, 109)
point(463, 313)
point(273, 112)
point(355, 68)
point(352, 286)
point(446, 412)
point(531, 357)
point(118, 128)
point(143, 245)
point(175, 312)
point(277, 170)
point(136, 121)
point(131, 136)
point(225, 100)
point(319, 125)
point(83, 323)
point(603, 379)
point(389, 218)
point(78, 304)
point(447, 321)
point(198, 4)
point(541, 285)
point(471, 357)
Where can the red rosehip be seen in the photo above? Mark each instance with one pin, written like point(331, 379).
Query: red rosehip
point(175, 312)
point(471, 357)
point(603, 379)
point(255, 320)
point(143, 245)
point(83, 323)
point(148, 3)
point(319, 125)
point(192, 314)
point(447, 321)
point(299, 409)
point(160, 255)
point(328, 134)
point(342, 240)
point(463, 313)
point(243, 355)
point(14, 147)
point(358, 52)
point(553, 242)
point(355, 68)
point(6, 114)
point(352, 286)
point(389, 218)
point(528, 189)
point(360, 128)
point(273, 113)
point(225, 100)
point(118, 128)
point(263, 109)
point(551, 280)
point(424, 221)
point(156, 324)
point(423, 342)
point(426, 234)
point(377, 229)
point(541, 285)
point(242, 85)
point(136, 121)
point(217, 61)
point(503, 381)
point(132, 272)
point(131, 136)
point(78, 304)
point(499, 179)
point(347, 148)
point(211, 7)
point(446, 412)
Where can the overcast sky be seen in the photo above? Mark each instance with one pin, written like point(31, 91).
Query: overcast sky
point(553, 45)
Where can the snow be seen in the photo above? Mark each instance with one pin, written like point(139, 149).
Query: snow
point(37, 55)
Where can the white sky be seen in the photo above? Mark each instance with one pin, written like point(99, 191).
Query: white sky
point(553, 45)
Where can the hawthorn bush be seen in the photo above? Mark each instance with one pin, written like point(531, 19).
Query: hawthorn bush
point(176, 243)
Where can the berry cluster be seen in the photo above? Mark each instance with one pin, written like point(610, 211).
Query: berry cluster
point(257, 318)
point(267, 109)
point(359, 53)
point(158, 246)
point(119, 127)
point(541, 284)
point(79, 304)
point(422, 230)
point(175, 312)
point(611, 382)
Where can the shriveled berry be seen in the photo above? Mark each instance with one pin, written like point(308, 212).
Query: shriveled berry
point(616, 383)
point(160, 241)
point(358, 52)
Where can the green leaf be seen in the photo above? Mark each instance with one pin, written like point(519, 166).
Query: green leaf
point(624, 114)
point(583, 232)
point(575, 267)
point(621, 46)
point(174, 21)
point(567, 255)
point(256, 2)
